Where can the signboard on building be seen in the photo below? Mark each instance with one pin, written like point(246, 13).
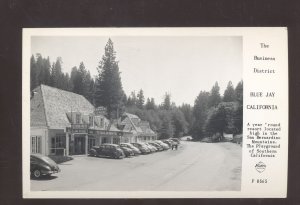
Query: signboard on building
point(103, 132)
point(77, 128)
point(100, 111)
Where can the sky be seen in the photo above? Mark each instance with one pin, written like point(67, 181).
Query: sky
point(179, 65)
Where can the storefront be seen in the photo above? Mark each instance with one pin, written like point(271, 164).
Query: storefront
point(58, 126)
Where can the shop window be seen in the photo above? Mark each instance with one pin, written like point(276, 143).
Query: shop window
point(91, 143)
point(101, 122)
point(116, 140)
point(91, 121)
point(36, 144)
point(58, 144)
point(104, 140)
point(77, 118)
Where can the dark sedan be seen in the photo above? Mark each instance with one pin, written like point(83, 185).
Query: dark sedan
point(42, 165)
point(107, 150)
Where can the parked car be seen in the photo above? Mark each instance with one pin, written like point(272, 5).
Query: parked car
point(151, 147)
point(107, 150)
point(158, 147)
point(127, 151)
point(42, 165)
point(164, 146)
point(142, 147)
point(168, 142)
point(135, 150)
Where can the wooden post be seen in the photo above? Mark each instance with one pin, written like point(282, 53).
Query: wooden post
point(67, 144)
point(86, 144)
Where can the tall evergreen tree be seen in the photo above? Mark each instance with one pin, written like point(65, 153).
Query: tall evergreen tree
point(66, 82)
point(78, 77)
point(229, 93)
point(216, 121)
point(56, 73)
point(187, 111)
point(109, 91)
point(150, 105)
point(239, 112)
point(200, 111)
point(239, 92)
point(167, 102)
point(46, 71)
point(179, 122)
point(90, 91)
point(167, 128)
point(140, 99)
point(134, 97)
point(214, 97)
point(33, 73)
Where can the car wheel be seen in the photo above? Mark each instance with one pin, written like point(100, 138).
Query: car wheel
point(37, 173)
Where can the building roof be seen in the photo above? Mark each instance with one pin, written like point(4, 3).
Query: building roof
point(134, 123)
point(145, 126)
point(49, 107)
point(131, 116)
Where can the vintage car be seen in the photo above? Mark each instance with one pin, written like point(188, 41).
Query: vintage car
point(142, 147)
point(151, 147)
point(168, 142)
point(42, 165)
point(135, 150)
point(163, 145)
point(156, 145)
point(107, 150)
point(127, 151)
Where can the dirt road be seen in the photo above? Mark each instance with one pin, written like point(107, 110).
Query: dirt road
point(193, 167)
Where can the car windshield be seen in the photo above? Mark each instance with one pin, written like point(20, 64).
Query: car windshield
point(129, 145)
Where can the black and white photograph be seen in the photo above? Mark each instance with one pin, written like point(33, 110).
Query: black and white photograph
point(136, 113)
point(149, 102)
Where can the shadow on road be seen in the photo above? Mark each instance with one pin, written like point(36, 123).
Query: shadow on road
point(44, 178)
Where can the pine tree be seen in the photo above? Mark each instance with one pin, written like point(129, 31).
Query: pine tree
point(239, 112)
point(150, 105)
point(239, 92)
point(56, 73)
point(187, 111)
point(216, 121)
point(33, 73)
point(90, 91)
point(109, 92)
point(46, 68)
point(229, 93)
point(140, 99)
point(40, 70)
point(200, 113)
point(78, 80)
point(167, 128)
point(215, 97)
point(167, 102)
point(179, 122)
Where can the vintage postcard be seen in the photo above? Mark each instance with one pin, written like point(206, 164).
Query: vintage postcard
point(155, 112)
